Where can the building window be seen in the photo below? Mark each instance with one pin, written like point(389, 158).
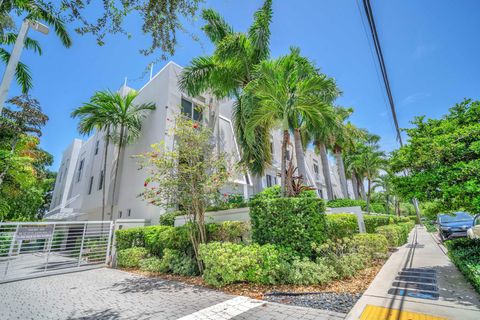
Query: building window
point(287, 155)
point(320, 193)
point(90, 185)
point(120, 214)
point(191, 110)
point(315, 168)
point(271, 147)
point(129, 212)
point(269, 180)
point(100, 181)
point(80, 170)
point(96, 147)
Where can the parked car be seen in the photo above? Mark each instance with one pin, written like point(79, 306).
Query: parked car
point(454, 225)
point(474, 231)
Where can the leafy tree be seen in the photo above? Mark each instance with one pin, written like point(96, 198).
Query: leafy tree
point(228, 71)
point(441, 159)
point(187, 176)
point(119, 118)
point(24, 180)
point(290, 92)
point(161, 19)
point(33, 10)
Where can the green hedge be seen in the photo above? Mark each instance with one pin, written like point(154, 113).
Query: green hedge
point(341, 225)
point(131, 257)
point(227, 263)
point(229, 231)
point(293, 223)
point(396, 234)
point(465, 254)
point(275, 193)
point(338, 203)
point(372, 222)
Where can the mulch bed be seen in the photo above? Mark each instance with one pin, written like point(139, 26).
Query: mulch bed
point(354, 286)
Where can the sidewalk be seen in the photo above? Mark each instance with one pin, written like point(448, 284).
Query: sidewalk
point(420, 280)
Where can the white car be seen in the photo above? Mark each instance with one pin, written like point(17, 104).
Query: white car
point(474, 231)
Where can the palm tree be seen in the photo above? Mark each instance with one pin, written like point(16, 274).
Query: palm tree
point(33, 10)
point(385, 182)
point(121, 120)
point(228, 71)
point(370, 161)
point(95, 115)
point(288, 95)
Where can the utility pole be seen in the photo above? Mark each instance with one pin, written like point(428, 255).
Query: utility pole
point(383, 69)
point(15, 56)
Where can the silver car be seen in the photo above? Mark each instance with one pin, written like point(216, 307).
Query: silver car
point(474, 231)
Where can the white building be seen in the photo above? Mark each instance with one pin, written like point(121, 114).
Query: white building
point(78, 188)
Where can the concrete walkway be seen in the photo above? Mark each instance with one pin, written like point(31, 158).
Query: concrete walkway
point(419, 278)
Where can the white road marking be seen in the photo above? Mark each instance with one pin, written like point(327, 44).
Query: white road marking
point(225, 310)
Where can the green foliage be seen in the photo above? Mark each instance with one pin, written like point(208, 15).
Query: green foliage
point(465, 254)
point(307, 272)
point(228, 201)
point(275, 191)
point(227, 263)
point(293, 223)
point(229, 231)
point(442, 158)
point(341, 225)
point(152, 264)
point(374, 221)
point(396, 234)
point(373, 246)
point(338, 203)
point(431, 209)
point(168, 218)
point(177, 262)
point(131, 257)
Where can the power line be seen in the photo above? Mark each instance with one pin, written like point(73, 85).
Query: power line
point(381, 62)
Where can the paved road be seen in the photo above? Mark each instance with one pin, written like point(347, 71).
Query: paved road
point(108, 294)
point(413, 267)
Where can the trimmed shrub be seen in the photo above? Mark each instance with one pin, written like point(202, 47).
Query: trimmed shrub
point(465, 254)
point(227, 263)
point(341, 225)
point(396, 234)
point(274, 192)
point(346, 265)
point(377, 207)
point(128, 238)
point(168, 218)
point(153, 264)
point(338, 203)
point(306, 272)
point(179, 263)
point(228, 201)
point(292, 223)
point(131, 257)
point(374, 246)
point(229, 231)
point(159, 238)
point(372, 222)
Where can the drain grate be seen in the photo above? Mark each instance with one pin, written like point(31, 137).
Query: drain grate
point(416, 283)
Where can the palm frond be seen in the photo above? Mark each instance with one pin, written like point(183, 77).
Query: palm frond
point(216, 28)
point(259, 32)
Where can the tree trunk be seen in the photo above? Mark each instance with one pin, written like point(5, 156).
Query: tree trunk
point(107, 142)
point(369, 183)
point(326, 169)
point(356, 193)
point(387, 200)
point(120, 143)
point(300, 156)
point(341, 172)
point(361, 187)
point(284, 162)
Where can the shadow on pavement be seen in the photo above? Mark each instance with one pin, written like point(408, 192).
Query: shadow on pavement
point(107, 314)
point(147, 285)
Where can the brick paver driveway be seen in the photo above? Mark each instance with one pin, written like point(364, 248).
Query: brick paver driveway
point(112, 294)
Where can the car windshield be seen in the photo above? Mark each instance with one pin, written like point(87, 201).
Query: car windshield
point(455, 217)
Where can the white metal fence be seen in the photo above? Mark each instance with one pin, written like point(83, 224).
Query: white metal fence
point(30, 249)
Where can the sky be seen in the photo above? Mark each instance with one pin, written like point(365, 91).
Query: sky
point(430, 49)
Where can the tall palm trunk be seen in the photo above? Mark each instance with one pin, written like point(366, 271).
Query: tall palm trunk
point(326, 169)
point(387, 207)
point(300, 155)
point(356, 193)
point(120, 144)
point(283, 166)
point(361, 187)
point(369, 189)
point(341, 171)
point(107, 142)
